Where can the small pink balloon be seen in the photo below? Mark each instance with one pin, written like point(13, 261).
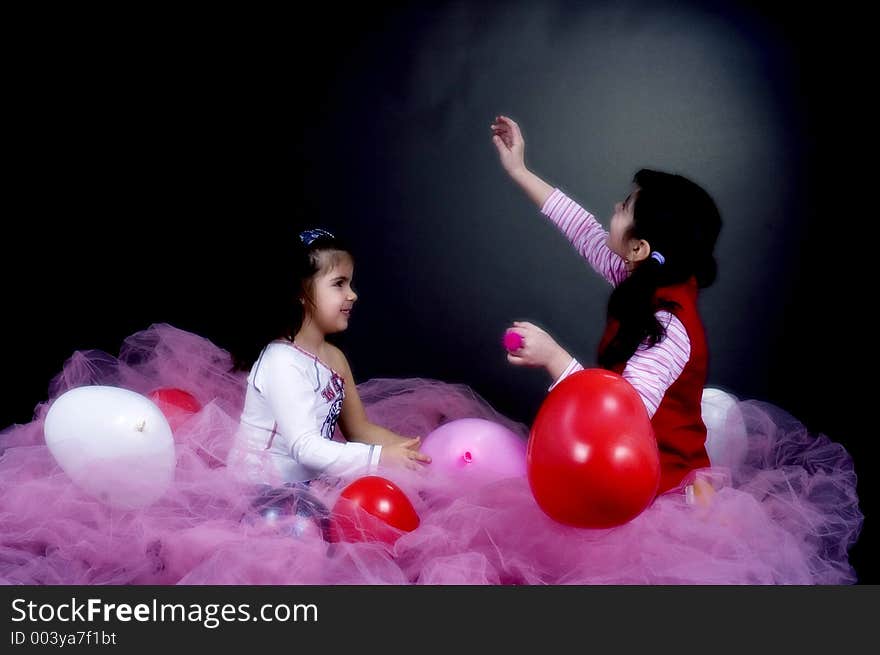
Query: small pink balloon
point(512, 340)
point(476, 447)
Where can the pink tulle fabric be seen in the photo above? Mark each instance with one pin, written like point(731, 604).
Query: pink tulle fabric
point(788, 515)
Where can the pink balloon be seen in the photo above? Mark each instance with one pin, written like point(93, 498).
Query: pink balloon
point(513, 341)
point(476, 447)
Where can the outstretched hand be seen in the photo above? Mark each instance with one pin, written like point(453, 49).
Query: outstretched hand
point(404, 453)
point(509, 142)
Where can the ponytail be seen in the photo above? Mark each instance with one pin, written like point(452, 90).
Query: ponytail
point(632, 305)
point(681, 223)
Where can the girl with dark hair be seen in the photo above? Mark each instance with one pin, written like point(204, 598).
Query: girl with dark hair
point(785, 509)
point(657, 254)
point(300, 385)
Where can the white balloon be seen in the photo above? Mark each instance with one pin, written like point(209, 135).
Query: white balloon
point(726, 435)
point(113, 443)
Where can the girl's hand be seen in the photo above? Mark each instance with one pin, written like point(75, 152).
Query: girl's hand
point(509, 142)
point(404, 454)
point(538, 348)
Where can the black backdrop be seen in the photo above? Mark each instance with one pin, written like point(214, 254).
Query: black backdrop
point(155, 156)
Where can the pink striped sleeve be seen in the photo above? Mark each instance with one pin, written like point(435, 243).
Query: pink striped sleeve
point(573, 367)
point(652, 370)
point(586, 235)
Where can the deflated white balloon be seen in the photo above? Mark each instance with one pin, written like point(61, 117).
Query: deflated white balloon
point(113, 443)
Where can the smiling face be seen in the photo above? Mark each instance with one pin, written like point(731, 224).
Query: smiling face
point(329, 296)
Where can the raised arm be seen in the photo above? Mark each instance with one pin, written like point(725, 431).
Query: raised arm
point(587, 236)
point(578, 225)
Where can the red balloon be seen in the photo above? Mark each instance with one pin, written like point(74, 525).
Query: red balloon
point(372, 508)
point(176, 404)
point(592, 459)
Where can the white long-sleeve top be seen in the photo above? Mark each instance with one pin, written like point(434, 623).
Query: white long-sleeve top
point(292, 404)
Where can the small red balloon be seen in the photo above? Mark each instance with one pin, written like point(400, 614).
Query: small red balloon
point(176, 404)
point(372, 508)
point(592, 459)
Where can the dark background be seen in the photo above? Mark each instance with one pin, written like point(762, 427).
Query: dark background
point(155, 156)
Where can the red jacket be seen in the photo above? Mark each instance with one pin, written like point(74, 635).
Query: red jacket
point(678, 424)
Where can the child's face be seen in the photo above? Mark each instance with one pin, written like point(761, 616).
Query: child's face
point(621, 224)
point(331, 293)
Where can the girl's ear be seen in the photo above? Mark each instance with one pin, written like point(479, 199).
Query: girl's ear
point(639, 250)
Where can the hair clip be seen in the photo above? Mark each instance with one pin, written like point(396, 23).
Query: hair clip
point(307, 236)
point(657, 256)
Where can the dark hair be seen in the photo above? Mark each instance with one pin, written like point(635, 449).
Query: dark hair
point(680, 221)
point(284, 278)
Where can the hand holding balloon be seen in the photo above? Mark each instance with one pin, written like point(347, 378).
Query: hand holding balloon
point(536, 348)
point(513, 341)
point(404, 454)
